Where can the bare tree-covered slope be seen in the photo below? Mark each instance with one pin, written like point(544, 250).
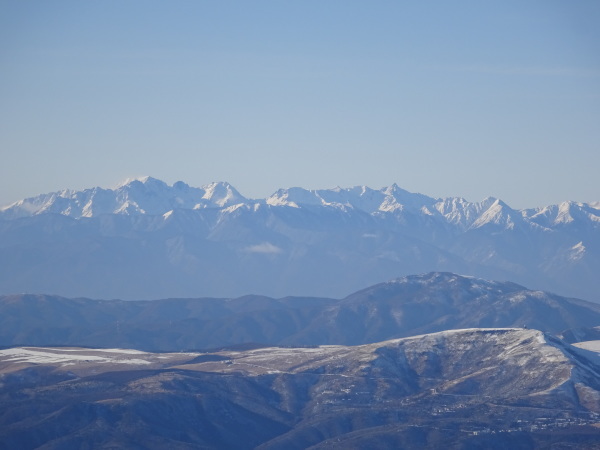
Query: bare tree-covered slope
point(474, 388)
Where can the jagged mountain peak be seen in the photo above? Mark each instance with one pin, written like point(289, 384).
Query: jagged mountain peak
point(394, 189)
point(360, 197)
point(222, 193)
point(566, 213)
point(145, 179)
point(498, 214)
point(294, 197)
point(461, 212)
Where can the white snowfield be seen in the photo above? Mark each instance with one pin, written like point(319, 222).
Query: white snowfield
point(66, 356)
point(592, 346)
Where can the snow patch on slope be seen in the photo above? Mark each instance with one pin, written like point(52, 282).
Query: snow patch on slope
point(265, 248)
point(69, 356)
point(577, 252)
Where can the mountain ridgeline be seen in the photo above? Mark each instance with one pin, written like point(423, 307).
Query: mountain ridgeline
point(148, 240)
point(475, 388)
point(404, 307)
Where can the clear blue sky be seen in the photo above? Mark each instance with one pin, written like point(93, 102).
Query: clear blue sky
point(464, 98)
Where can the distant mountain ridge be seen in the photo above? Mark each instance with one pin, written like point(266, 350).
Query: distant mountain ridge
point(407, 306)
point(213, 241)
point(148, 195)
point(145, 195)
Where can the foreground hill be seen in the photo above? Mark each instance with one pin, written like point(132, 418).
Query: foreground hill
point(403, 307)
point(147, 239)
point(475, 388)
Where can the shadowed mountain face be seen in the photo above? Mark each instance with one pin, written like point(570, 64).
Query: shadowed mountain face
point(450, 389)
point(147, 240)
point(404, 307)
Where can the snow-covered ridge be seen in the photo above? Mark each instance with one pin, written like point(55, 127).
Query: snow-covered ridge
point(362, 198)
point(563, 214)
point(150, 196)
point(512, 341)
point(145, 195)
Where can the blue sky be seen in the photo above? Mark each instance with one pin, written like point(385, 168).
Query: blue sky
point(466, 98)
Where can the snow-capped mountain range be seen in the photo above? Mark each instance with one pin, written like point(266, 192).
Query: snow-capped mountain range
point(148, 239)
point(145, 195)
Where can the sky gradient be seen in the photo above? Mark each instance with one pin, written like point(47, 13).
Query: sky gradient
point(467, 98)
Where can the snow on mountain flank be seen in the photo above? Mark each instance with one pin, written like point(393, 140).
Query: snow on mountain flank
point(592, 346)
point(70, 356)
point(499, 213)
point(222, 194)
point(147, 195)
point(142, 195)
point(343, 238)
point(577, 251)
